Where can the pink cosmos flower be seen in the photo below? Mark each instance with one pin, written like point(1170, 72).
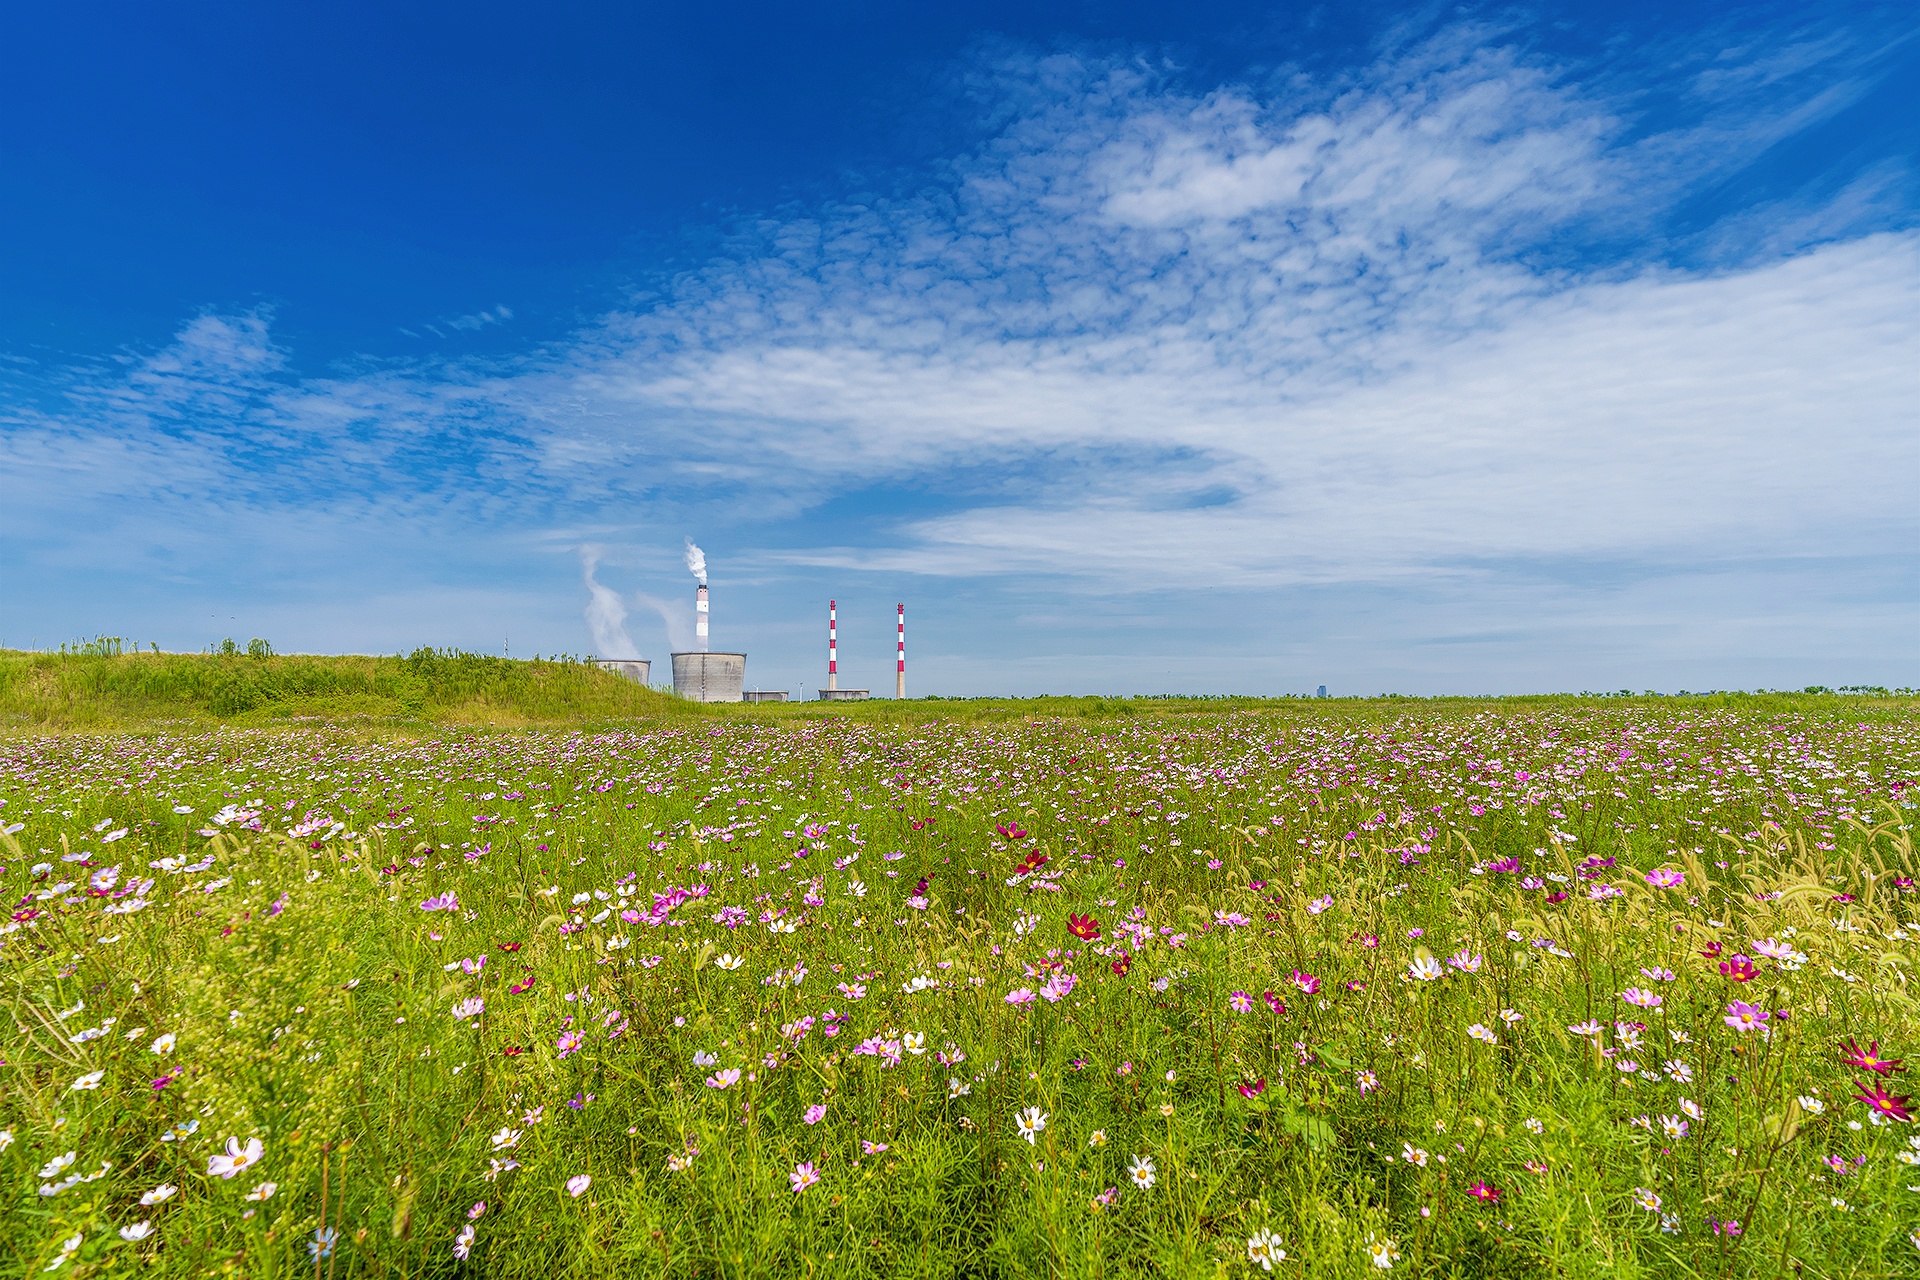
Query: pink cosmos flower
point(1742, 1016)
point(1306, 982)
point(1018, 996)
point(816, 1113)
point(1666, 879)
point(1639, 996)
point(1240, 1002)
point(569, 1043)
point(577, 1185)
point(805, 1175)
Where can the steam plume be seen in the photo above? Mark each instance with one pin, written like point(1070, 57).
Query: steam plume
point(606, 616)
point(697, 562)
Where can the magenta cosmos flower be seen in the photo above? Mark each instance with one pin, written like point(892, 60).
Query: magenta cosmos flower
point(1742, 1016)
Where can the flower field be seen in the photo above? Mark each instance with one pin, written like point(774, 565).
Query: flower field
point(1492, 990)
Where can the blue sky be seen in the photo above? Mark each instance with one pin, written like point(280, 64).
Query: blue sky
point(1137, 348)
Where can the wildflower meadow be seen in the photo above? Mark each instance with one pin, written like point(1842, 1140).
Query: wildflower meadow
point(1478, 989)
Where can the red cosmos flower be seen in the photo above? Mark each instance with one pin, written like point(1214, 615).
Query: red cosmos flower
point(1011, 831)
point(512, 1051)
point(1083, 927)
point(1253, 1090)
point(1481, 1191)
point(1891, 1105)
point(1120, 966)
point(509, 946)
point(1869, 1059)
point(1740, 968)
point(521, 988)
point(1709, 951)
point(1274, 1003)
point(1032, 862)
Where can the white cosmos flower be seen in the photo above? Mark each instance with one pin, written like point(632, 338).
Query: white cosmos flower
point(1142, 1171)
point(165, 1191)
point(164, 1044)
point(91, 1080)
point(729, 961)
point(138, 1231)
point(507, 1137)
point(236, 1158)
point(1029, 1123)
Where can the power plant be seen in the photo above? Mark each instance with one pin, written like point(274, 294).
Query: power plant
point(702, 675)
point(833, 692)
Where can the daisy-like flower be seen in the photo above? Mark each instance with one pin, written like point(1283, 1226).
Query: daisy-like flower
point(958, 1088)
point(1692, 1108)
point(1413, 1155)
point(236, 1158)
point(1464, 962)
point(1892, 1106)
point(729, 961)
point(1240, 1002)
point(803, 1176)
point(1383, 1253)
point(1426, 969)
point(264, 1191)
point(1812, 1106)
point(1263, 1249)
point(164, 1044)
point(463, 1243)
point(471, 1007)
point(1484, 1036)
point(507, 1137)
point(1083, 927)
point(1019, 996)
point(1641, 997)
point(159, 1195)
point(1868, 1059)
point(1534, 1126)
point(1097, 1139)
point(1590, 1027)
point(577, 1185)
point(1482, 1191)
point(1665, 879)
point(1646, 1199)
point(1744, 1017)
point(1142, 1171)
point(1673, 1126)
point(1029, 1123)
point(815, 1113)
point(724, 1079)
point(136, 1232)
point(68, 1247)
point(91, 1080)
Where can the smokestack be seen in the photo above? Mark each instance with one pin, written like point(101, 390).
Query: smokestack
point(833, 645)
point(900, 658)
point(700, 616)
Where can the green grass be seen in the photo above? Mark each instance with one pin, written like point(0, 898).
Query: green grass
point(1231, 858)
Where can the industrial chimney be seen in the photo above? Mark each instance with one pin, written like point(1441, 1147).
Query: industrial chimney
point(900, 656)
point(833, 645)
point(700, 616)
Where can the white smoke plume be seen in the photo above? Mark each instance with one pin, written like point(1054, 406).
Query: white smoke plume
point(675, 615)
point(606, 615)
point(697, 562)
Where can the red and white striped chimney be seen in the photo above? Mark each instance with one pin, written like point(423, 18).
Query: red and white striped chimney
point(833, 645)
point(700, 616)
point(900, 660)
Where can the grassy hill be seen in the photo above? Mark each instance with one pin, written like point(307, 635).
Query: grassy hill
point(99, 686)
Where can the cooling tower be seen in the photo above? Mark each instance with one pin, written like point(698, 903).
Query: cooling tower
point(634, 669)
point(709, 677)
